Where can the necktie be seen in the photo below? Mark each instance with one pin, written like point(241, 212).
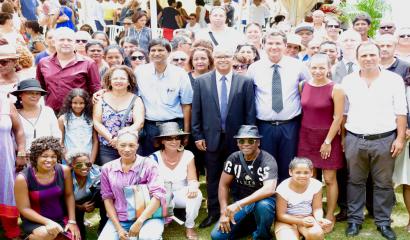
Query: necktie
point(277, 103)
point(224, 101)
point(349, 67)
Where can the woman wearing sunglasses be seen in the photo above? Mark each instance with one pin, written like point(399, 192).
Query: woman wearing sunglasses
point(137, 57)
point(86, 188)
point(241, 63)
point(403, 45)
point(177, 167)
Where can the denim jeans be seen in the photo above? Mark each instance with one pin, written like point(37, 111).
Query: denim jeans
point(151, 230)
point(264, 215)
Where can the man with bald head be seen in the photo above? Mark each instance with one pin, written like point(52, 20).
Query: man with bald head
point(222, 102)
point(218, 32)
point(65, 70)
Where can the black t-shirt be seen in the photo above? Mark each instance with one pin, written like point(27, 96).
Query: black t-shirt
point(265, 169)
point(168, 18)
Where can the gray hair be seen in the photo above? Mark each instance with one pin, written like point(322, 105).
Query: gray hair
point(76, 153)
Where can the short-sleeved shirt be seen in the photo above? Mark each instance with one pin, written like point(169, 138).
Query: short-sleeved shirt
point(299, 204)
point(28, 9)
point(163, 96)
point(168, 18)
point(263, 168)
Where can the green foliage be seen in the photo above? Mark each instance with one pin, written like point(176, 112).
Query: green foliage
point(375, 8)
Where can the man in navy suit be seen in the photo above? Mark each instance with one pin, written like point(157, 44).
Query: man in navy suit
point(222, 102)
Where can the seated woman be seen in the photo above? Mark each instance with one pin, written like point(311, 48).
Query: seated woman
point(43, 192)
point(299, 204)
point(130, 169)
point(177, 167)
point(86, 181)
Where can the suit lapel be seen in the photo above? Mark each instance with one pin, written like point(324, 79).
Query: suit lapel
point(214, 91)
point(232, 90)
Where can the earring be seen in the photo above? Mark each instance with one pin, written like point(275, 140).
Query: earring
point(181, 148)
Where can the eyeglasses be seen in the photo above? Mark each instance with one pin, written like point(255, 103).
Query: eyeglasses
point(386, 27)
point(333, 26)
point(134, 58)
point(405, 35)
point(240, 66)
point(81, 165)
point(81, 41)
point(247, 140)
point(171, 138)
point(179, 59)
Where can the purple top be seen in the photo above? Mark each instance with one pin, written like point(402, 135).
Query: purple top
point(114, 179)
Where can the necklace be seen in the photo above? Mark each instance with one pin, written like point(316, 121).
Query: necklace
point(31, 123)
point(168, 162)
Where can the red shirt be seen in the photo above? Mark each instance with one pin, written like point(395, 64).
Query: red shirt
point(58, 81)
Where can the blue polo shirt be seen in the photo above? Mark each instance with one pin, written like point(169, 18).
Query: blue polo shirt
point(28, 9)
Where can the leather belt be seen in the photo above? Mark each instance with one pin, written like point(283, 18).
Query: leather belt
point(157, 123)
point(279, 122)
point(373, 136)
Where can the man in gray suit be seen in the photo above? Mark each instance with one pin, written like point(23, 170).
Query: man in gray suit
point(222, 102)
point(348, 41)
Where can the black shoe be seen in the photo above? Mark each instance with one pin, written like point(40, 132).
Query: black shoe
point(208, 221)
point(342, 215)
point(387, 232)
point(353, 229)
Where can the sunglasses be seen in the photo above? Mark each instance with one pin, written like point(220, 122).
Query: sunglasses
point(179, 59)
point(134, 58)
point(171, 138)
point(240, 66)
point(405, 35)
point(81, 165)
point(246, 140)
point(4, 62)
point(81, 41)
point(386, 27)
point(333, 26)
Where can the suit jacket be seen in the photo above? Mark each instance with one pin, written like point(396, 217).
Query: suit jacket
point(339, 71)
point(206, 117)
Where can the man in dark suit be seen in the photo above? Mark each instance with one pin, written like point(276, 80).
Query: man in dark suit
point(222, 102)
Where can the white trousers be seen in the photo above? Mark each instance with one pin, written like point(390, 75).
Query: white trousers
point(191, 205)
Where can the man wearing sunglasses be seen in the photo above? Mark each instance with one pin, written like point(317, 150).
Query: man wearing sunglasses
point(223, 101)
point(387, 27)
point(253, 173)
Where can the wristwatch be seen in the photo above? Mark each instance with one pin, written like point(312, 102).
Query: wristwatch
point(327, 142)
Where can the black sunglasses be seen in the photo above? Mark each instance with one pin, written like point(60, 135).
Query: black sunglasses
point(405, 35)
point(134, 58)
point(386, 27)
point(333, 26)
point(81, 41)
point(246, 140)
point(179, 59)
point(240, 66)
point(81, 165)
point(170, 138)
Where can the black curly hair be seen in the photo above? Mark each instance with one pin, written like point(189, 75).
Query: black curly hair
point(67, 109)
point(43, 144)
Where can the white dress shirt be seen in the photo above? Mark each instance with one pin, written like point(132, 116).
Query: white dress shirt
point(373, 110)
point(219, 84)
point(292, 71)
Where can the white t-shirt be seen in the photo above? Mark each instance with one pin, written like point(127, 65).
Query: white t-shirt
point(177, 176)
point(299, 204)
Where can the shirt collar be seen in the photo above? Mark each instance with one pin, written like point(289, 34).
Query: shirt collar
point(78, 58)
point(228, 76)
point(116, 166)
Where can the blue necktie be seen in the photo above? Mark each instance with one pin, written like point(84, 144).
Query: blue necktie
point(224, 101)
point(277, 103)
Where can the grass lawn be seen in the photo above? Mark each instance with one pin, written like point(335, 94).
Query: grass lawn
point(400, 218)
point(175, 231)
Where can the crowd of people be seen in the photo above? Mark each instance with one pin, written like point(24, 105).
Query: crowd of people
point(267, 114)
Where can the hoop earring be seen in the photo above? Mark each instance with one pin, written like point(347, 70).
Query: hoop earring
point(181, 148)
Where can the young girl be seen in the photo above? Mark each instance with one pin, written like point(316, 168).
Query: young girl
point(76, 123)
point(299, 204)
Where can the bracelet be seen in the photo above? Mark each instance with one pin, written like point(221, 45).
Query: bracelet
point(239, 205)
point(21, 154)
point(72, 222)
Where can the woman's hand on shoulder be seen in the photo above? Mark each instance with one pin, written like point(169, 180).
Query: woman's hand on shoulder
point(97, 96)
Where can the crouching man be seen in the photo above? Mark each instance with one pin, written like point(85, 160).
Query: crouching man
point(250, 175)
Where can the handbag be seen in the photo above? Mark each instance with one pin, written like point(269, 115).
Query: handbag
point(138, 198)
